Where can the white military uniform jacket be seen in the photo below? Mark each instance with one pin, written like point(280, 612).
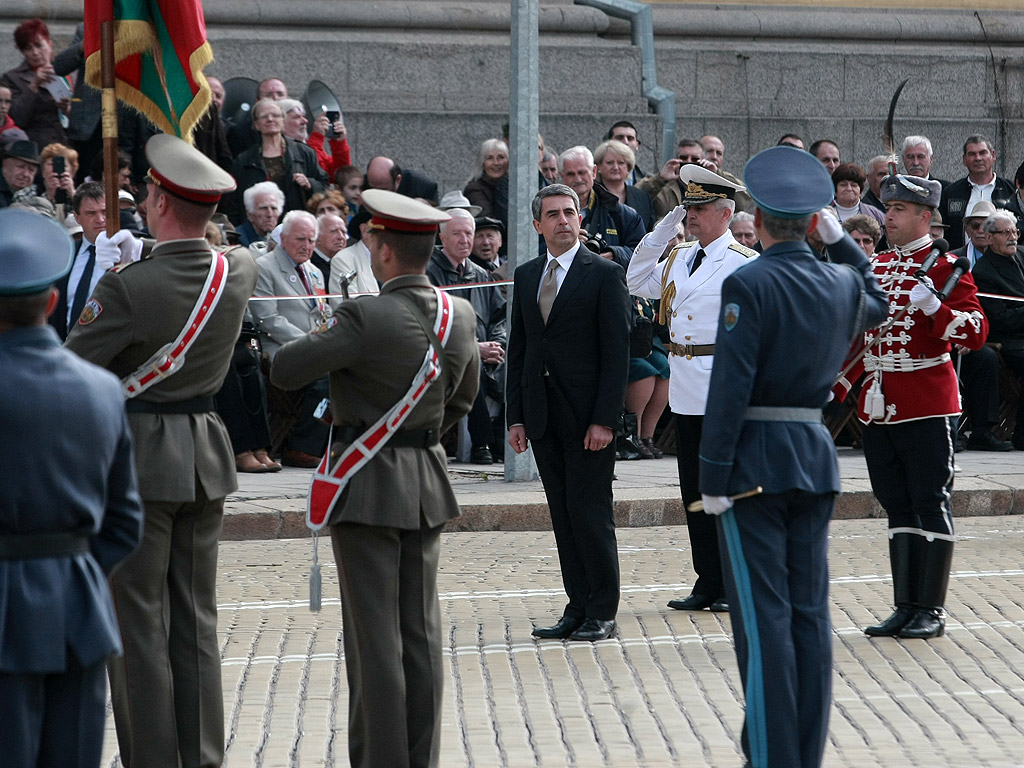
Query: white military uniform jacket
point(285, 320)
point(695, 307)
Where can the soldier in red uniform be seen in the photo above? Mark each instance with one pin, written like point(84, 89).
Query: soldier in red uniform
point(908, 396)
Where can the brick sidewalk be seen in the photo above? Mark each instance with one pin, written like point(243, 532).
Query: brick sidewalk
point(666, 692)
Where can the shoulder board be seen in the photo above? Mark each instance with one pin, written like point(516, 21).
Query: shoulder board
point(123, 267)
point(683, 246)
point(742, 249)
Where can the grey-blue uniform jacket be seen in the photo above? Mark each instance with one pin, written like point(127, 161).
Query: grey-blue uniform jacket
point(66, 466)
point(786, 324)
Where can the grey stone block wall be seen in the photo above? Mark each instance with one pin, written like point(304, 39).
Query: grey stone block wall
point(427, 81)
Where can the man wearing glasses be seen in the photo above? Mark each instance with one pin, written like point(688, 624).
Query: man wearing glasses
point(1002, 272)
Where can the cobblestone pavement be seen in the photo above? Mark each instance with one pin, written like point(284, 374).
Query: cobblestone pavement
point(665, 692)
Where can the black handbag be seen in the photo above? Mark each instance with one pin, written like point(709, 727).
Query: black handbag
point(641, 337)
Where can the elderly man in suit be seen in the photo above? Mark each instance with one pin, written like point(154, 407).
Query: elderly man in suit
point(168, 705)
point(67, 516)
point(386, 534)
point(568, 357)
point(287, 271)
point(689, 284)
point(1001, 271)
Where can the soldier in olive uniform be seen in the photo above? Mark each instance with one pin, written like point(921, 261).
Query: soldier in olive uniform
point(168, 706)
point(386, 526)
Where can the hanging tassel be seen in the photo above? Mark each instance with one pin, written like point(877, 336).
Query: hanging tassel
point(315, 582)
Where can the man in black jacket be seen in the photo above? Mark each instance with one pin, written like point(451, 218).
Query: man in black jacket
point(1002, 271)
point(618, 225)
point(568, 354)
point(980, 183)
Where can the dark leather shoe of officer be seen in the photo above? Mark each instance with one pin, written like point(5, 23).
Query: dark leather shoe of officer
point(594, 629)
point(925, 624)
point(986, 441)
point(694, 603)
point(565, 627)
point(892, 626)
point(719, 606)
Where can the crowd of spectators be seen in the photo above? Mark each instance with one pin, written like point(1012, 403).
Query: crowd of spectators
point(286, 162)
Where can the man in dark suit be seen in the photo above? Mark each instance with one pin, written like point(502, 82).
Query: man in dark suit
point(384, 173)
point(1001, 271)
point(68, 516)
point(89, 205)
point(980, 183)
point(568, 355)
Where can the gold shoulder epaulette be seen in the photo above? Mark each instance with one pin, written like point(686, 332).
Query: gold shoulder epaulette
point(748, 252)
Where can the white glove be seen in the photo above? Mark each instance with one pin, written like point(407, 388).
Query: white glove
point(715, 505)
point(122, 248)
point(922, 297)
point(829, 228)
point(668, 226)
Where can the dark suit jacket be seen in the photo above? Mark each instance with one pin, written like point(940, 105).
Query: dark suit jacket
point(584, 347)
point(415, 184)
point(954, 201)
point(59, 318)
point(999, 274)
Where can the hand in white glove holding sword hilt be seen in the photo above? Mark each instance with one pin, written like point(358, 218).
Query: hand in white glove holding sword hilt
point(121, 248)
point(923, 297)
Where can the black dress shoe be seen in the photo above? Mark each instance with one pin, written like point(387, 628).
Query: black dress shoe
point(565, 627)
point(593, 629)
point(719, 606)
point(694, 603)
point(481, 455)
point(892, 626)
point(986, 441)
point(925, 624)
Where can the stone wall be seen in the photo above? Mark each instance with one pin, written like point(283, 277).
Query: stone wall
point(426, 82)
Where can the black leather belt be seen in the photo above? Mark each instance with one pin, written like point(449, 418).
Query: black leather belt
point(25, 546)
point(403, 438)
point(192, 405)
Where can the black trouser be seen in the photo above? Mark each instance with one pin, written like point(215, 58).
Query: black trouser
point(479, 420)
point(578, 486)
point(309, 434)
point(707, 560)
point(910, 464)
point(242, 401)
point(979, 375)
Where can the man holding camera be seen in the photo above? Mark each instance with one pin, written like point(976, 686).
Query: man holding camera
point(609, 227)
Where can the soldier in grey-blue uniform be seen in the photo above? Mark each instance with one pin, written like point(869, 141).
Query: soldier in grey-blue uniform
point(786, 323)
point(69, 513)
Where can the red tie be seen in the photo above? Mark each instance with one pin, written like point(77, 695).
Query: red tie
point(305, 284)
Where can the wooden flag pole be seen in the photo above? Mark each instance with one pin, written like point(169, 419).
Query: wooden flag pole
point(109, 122)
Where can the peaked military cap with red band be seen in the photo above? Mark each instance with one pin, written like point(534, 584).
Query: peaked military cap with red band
point(184, 171)
point(400, 213)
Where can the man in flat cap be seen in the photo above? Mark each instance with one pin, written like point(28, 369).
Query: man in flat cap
point(908, 396)
point(168, 707)
point(18, 167)
point(689, 284)
point(386, 534)
point(69, 513)
point(768, 464)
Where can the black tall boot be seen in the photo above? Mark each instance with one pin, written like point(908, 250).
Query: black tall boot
point(904, 549)
point(930, 619)
point(627, 444)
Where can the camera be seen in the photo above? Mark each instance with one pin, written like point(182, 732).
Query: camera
point(596, 243)
point(61, 195)
point(333, 116)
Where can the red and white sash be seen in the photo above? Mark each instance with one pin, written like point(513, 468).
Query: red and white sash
point(169, 359)
point(327, 484)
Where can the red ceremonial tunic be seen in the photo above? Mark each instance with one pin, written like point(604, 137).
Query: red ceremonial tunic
point(910, 364)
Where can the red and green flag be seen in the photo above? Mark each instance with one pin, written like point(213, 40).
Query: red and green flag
point(160, 50)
